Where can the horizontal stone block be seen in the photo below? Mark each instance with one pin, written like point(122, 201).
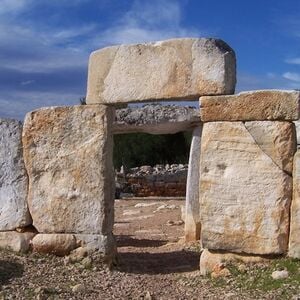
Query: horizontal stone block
point(68, 155)
point(13, 177)
point(210, 261)
point(156, 119)
point(177, 69)
point(245, 190)
point(251, 106)
point(16, 241)
point(58, 244)
point(62, 244)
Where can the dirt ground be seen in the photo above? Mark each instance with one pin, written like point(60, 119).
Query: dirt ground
point(153, 263)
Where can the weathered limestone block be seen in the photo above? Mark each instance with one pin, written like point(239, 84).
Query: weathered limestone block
point(156, 119)
point(13, 177)
point(251, 106)
point(106, 244)
point(245, 188)
point(68, 155)
point(58, 244)
point(62, 244)
point(192, 213)
point(172, 69)
point(210, 261)
point(297, 124)
point(294, 241)
point(16, 241)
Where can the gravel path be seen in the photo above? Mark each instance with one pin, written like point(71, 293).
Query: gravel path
point(153, 264)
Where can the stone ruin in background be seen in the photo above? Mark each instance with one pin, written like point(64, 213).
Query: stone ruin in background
point(243, 199)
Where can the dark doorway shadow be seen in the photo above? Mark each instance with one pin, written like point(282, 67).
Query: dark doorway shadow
point(9, 270)
point(158, 263)
point(130, 241)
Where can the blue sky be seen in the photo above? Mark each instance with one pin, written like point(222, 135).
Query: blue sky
point(45, 44)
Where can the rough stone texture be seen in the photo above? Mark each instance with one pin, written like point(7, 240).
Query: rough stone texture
point(173, 69)
point(297, 124)
point(245, 192)
point(68, 155)
point(192, 213)
point(251, 106)
point(16, 241)
point(209, 260)
point(294, 241)
point(156, 119)
point(63, 244)
point(58, 244)
point(106, 244)
point(13, 177)
point(160, 180)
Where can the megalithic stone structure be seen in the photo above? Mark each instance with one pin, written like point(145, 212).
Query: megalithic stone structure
point(177, 69)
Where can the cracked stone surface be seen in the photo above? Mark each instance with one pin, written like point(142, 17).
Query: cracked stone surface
point(173, 69)
point(245, 186)
point(68, 155)
point(13, 177)
point(294, 241)
point(156, 119)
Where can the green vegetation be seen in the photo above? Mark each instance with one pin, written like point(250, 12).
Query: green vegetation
point(137, 149)
point(259, 277)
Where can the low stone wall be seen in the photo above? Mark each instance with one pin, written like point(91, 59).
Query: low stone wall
point(160, 181)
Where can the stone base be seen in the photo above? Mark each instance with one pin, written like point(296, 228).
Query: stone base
point(16, 241)
point(210, 261)
point(62, 244)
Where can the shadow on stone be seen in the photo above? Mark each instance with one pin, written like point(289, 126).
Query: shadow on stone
point(127, 241)
point(9, 270)
point(158, 263)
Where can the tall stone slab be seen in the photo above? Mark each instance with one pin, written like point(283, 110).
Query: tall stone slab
point(192, 210)
point(294, 241)
point(173, 69)
point(13, 177)
point(68, 155)
point(246, 186)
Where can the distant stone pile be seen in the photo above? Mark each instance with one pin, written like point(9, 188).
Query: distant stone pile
point(160, 180)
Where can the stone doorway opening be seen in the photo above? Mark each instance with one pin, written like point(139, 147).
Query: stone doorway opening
point(151, 191)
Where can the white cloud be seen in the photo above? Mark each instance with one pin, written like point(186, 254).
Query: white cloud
point(146, 22)
point(12, 6)
point(293, 61)
point(292, 76)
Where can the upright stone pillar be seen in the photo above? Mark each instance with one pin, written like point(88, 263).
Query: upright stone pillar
point(294, 241)
point(13, 177)
point(192, 208)
point(68, 155)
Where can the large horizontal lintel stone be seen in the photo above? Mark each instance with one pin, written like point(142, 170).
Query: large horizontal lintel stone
point(68, 156)
point(258, 105)
point(177, 69)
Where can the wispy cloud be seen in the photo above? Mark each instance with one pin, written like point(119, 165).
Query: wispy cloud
point(270, 80)
point(13, 6)
point(292, 76)
point(44, 65)
point(293, 61)
point(149, 21)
